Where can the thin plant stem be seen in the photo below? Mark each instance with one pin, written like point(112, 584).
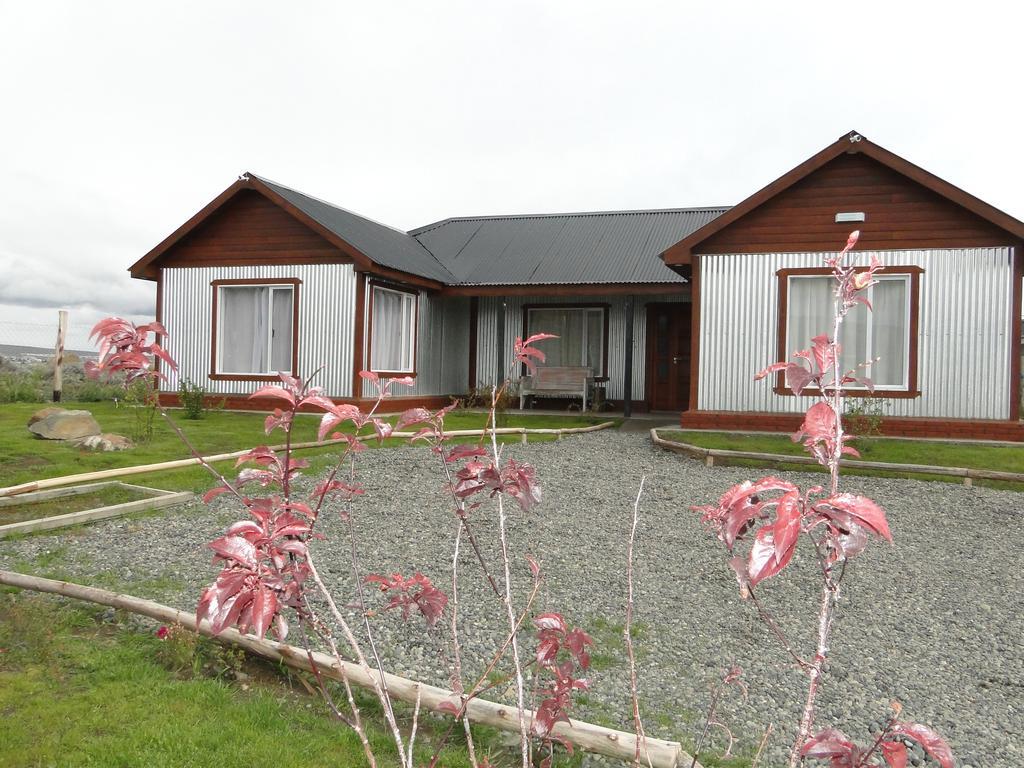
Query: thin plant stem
point(768, 619)
point(456, 647)
point(360, 657)
point(761, 746)
point(641, 737)
point(524, 738)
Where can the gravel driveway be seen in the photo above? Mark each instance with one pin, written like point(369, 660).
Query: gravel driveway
point(934, 621)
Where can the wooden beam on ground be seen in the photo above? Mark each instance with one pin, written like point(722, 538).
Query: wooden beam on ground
point(586, 736)
point(710, 454)
point(164, 499)
point(103, 474)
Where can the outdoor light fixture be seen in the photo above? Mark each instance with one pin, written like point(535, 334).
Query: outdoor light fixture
point(850, 216)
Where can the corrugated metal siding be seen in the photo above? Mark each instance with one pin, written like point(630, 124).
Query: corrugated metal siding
point(326, 312)
point(964, 331)
point(492, 366)
point(442, 347)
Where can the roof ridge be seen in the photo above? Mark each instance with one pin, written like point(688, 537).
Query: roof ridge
point(415, 231)
point(329, 204)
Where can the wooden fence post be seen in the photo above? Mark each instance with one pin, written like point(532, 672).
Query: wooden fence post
point(58, 354)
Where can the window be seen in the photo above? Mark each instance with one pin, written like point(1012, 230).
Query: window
point(254, 324)
point(887, 332)
point(581, 335)
point(392, 330)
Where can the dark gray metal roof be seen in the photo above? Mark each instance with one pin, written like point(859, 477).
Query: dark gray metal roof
point(571, 248)
point(384, 245)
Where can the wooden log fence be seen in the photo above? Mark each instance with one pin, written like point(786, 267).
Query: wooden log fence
point(709, 455)
point(586, 736)
point(105, 474)
point(157, 499)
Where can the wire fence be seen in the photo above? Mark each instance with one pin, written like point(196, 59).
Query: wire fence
point(16, 336)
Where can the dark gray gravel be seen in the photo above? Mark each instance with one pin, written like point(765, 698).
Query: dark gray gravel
point(934, 621)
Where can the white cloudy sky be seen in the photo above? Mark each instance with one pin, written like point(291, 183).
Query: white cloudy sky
point(118, 120)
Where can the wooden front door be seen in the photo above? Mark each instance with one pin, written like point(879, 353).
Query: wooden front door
point(668, 356)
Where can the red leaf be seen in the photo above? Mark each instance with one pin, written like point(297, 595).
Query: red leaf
point(404, 381)
point(766, 559)
point(413, 416)
point(213, 493)
point(933, 744)
point(264, 608)
point(547, 649)
point(538, 337)
point(895, 753)
point(337, 415)
point(449, 707)
point(773, 368)
point(550, 621)
point(819, 423)
point(862, 508)
point(465, 452)
point(534, 567)
point(824, 354)
point(382, 428)
point(797, 378)
point(829, 743)
point(235, 548)
point(274, 391)
point(787, 523)
point(369, 376)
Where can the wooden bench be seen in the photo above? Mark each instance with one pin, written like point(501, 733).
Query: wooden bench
point(557, 381)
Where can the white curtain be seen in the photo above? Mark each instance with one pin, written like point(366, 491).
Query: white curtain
point(243, 329)
point(281, 329)
point(865, 335)
point(255, 329)
point(889, 331)
point(391, 345)
point(580, 336)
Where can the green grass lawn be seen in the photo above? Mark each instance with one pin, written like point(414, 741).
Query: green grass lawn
point(1000, 458)
point(24, 458)
point(77, 691)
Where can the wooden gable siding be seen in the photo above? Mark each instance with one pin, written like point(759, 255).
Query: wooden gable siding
point(900, 214)
point(250, 229)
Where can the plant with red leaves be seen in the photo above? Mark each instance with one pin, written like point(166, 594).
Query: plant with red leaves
point(415, 592)
point(891, 746)
point(265, 560)
point(125, 348)
point(561, 655)
point(773, 515)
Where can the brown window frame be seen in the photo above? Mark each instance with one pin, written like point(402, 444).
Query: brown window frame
point(605, 310)
point(373, 285)
point(292, 282)
point(912, 390)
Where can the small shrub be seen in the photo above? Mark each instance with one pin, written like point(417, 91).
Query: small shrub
point(22, 385)
point(188, 655)
point(141, 398)
point(192, 397)
point(178, 650)
point(864, 415)
point(89, 391)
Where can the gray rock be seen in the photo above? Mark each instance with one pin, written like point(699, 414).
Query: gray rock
point(104, 442)
point(42, 413)
point(65, 425)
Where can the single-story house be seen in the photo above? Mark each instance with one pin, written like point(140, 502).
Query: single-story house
point(673, 310)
